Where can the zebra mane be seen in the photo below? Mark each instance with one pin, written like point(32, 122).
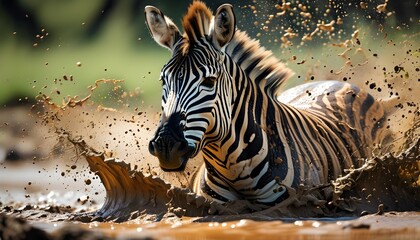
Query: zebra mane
point(258, 63)
point(196, 23)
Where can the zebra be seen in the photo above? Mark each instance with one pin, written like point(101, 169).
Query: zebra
point(221, 98)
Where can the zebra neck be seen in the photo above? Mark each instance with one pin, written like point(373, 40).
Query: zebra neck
point(245, 161)
point(253, 133)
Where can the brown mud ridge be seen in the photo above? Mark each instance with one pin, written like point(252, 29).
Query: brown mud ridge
point(382, 184)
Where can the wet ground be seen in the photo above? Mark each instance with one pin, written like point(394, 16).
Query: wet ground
point(387, 226)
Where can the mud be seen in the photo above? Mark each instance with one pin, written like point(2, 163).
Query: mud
point(142, 199)
point(137, 193)
point(12, 228)
point(376, 187)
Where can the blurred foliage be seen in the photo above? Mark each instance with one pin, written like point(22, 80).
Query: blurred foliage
point(45, 42)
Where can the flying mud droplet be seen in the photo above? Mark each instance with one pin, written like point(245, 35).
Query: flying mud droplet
point(88, 181)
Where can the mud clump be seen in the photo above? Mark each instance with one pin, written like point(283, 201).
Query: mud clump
point(18, 228)
point(13, 228)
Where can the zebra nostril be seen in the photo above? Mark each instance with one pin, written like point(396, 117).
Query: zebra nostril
point(152, 148)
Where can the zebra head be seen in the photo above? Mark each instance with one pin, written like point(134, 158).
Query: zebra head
point(195, 82)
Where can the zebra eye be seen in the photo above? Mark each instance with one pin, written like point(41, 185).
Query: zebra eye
point(209, 82)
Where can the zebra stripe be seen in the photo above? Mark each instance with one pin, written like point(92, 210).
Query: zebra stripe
point(251, 137)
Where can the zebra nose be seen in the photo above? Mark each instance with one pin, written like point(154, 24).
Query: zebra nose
point(172, 154)
point(169, 144)
point(158, 145)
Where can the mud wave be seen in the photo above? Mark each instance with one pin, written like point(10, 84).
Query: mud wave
point(131, 194)
point(381, 184)
point(135, 189)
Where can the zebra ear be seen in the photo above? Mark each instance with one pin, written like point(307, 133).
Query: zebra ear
point(162, 29)
point(224, 24)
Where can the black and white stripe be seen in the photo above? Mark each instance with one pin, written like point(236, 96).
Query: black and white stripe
point(250, 137)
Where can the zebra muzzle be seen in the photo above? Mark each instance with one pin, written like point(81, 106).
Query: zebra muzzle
point(173, 153)
point(169, 144)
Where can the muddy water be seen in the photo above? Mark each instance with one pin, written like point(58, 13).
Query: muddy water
point(376, 186)
point(369, 227)
point(45, 214)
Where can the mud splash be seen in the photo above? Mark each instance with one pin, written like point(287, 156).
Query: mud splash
point(379, 185)
point(131, 194)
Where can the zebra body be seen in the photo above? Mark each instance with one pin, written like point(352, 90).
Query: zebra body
point(221, 97)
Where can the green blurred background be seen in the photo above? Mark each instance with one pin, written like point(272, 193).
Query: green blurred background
point(45, 42)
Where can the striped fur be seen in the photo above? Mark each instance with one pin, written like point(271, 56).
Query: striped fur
point(252, 138)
